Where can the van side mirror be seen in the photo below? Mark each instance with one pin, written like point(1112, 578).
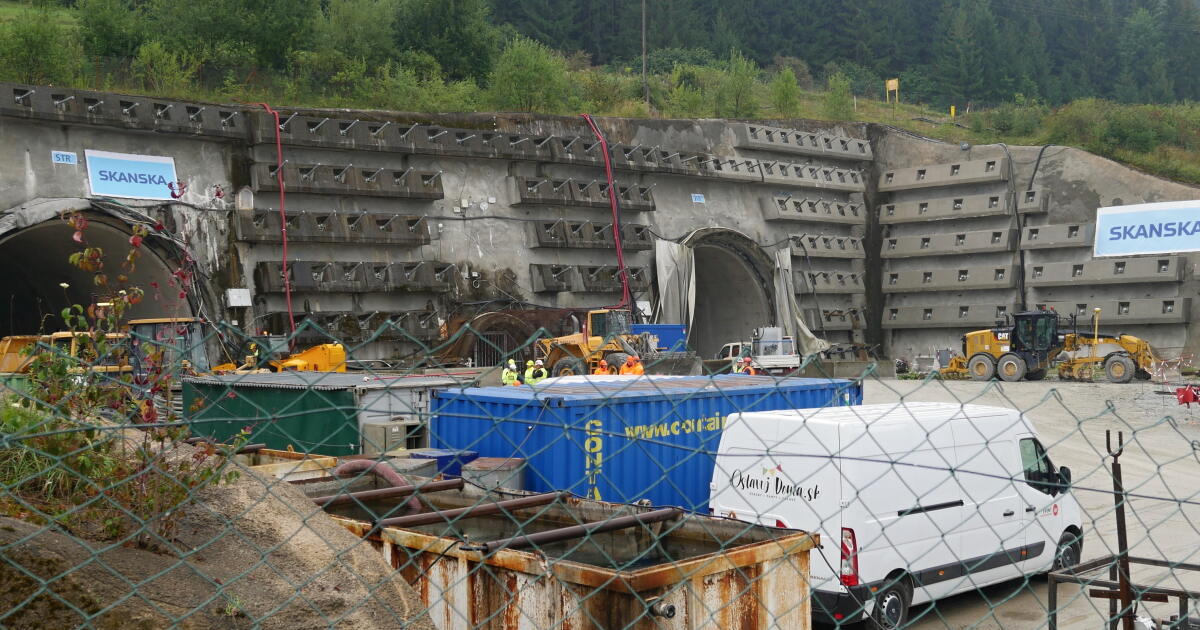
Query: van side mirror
point(1064, 476)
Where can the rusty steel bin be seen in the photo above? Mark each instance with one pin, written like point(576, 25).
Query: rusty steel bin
point(709, 572)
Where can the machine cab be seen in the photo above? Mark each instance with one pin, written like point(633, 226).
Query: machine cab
point(1035, 331)
point(606, 324)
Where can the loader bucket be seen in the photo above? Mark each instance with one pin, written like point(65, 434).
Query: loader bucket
point(676, 363)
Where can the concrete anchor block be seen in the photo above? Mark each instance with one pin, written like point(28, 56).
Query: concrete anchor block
point(1058, 236)
point(956, 315)
point(827, 246)
point(546, 233)
point(552, 278)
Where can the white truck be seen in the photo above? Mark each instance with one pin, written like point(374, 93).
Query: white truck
point(913, 501)
point(770, 351)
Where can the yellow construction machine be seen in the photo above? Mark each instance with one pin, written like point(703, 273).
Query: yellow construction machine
point(1026, 350)
point(608, 335)
point(182, 340)
point(269, 354)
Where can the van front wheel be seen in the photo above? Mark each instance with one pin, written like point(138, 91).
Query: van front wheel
point(891, 605)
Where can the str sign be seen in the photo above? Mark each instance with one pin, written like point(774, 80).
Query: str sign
point(1149, 228)
point(130, 176)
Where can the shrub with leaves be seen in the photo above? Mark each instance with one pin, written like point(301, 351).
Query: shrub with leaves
point(86, 446)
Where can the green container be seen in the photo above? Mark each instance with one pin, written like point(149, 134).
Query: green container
point(308, 419)
point(313, 412)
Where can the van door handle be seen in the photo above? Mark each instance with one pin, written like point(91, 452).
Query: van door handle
point(1009, 513)
point(1029, 508)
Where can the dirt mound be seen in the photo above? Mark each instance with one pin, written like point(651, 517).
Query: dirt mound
point(252, 554)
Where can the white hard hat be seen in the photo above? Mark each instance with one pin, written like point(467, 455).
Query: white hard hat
point(539, 362)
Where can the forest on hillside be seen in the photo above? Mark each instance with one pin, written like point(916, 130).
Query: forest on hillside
point(964, 52)
point(1117, 77)
point(943, 50)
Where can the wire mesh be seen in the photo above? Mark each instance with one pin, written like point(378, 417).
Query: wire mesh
point(140, 488)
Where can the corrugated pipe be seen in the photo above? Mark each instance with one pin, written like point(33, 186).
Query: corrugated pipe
point(382, 470)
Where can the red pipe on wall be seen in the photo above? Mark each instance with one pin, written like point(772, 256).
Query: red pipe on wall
point(287, 281)
point(626, 298)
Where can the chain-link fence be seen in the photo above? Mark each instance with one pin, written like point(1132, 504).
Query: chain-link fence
point(143, 486)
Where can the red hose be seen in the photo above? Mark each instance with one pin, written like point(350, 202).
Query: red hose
point(287, 281)
point(626, 298)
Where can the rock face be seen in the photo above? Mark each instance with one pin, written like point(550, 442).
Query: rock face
point(252, 554)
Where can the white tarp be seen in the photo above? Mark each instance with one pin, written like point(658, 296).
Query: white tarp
point(676, 276)
point(787, 312)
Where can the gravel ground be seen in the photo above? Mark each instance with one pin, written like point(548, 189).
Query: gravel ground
point(1159, 463)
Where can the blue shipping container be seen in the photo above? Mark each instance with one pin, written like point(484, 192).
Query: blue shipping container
point(618, 439)
point(670, 336)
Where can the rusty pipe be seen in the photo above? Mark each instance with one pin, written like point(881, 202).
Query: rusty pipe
point(575, 531)
point(386, 493)
point(383, 471)
point(248, 448)
point(479, 509)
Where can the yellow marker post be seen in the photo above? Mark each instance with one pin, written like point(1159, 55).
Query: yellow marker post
point(952, 111)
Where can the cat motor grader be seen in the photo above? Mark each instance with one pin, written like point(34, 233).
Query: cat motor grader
point(1026, 348)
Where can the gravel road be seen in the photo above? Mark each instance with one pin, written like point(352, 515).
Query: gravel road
point(1160, 464)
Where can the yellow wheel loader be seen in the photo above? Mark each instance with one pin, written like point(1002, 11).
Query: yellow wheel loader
point(608, 335)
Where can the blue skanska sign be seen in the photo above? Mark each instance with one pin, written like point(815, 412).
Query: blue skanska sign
point(130, 176)
point(1149, 228)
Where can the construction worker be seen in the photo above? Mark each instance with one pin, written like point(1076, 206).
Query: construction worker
point(602, 369)
point(747, 367)
point(510, 376)
point(535, 374)
point(633, 365)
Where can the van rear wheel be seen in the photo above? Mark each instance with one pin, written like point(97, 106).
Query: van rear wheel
point(891, 605)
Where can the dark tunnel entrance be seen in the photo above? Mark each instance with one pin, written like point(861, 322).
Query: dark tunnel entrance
point(732, 298)
point(35, 267)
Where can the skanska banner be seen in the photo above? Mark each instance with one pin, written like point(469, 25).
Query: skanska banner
point(130, 176)
point(1148, 228)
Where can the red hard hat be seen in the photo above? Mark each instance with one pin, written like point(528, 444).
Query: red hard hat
point(746, 360)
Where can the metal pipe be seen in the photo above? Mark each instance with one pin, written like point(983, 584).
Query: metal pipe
point(283, 125)
point(363, 496)
point(479, 509)
point(1123, 589)
point(317, 127)
point(346, 131)
point(194, 115)
point(380, 129)
point(576, 531)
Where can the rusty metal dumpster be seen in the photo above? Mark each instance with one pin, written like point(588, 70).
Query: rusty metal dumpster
point(689, 571)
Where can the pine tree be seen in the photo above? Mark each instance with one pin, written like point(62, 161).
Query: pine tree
point(959, 63)
point(1141, 50)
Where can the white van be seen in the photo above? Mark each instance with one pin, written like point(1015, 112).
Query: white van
point(897, 527)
